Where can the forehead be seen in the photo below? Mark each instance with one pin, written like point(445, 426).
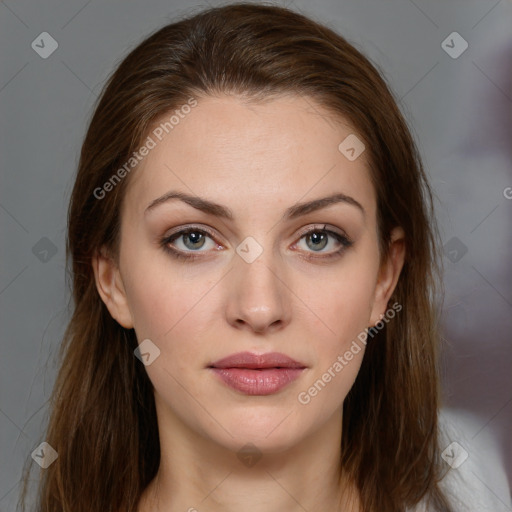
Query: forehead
point(250, 155)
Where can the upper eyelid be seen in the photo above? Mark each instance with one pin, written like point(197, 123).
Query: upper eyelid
point(181, 231)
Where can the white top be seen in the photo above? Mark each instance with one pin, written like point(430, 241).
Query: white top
point(476, 480)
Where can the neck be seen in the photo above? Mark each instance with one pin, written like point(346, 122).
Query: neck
point(197, 474)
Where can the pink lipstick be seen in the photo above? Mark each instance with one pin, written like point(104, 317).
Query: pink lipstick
point(253, 374)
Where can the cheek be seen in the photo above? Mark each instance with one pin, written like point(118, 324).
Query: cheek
point(342, 305)
point(339, 353)
point(342, 309)
point(168, 308)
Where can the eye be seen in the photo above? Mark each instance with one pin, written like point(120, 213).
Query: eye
point(318, 238)
point(191, 239)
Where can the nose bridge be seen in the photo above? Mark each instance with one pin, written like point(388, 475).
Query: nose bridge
point(258, 297)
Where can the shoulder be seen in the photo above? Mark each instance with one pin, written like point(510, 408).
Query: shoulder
point(475, 478)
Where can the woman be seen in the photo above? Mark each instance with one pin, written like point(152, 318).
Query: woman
point(255, 273)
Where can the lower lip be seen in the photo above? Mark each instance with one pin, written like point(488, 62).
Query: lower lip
point(258, 382)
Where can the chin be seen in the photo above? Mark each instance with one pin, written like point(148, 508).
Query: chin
point(270, 430)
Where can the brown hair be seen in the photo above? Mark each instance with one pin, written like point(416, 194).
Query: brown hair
point(103, 418)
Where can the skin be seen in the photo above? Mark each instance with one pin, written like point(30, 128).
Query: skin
point(257, 160)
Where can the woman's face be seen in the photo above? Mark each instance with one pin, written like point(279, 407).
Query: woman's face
point(252, 280)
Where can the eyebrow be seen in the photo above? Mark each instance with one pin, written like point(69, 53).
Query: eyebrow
point(217, 210)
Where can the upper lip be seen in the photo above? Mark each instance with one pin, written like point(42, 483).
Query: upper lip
point(257, 361)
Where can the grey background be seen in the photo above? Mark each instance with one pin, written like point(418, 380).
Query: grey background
point(460, 111)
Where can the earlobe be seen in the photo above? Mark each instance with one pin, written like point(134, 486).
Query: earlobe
point(388, 274)
point(111, 289)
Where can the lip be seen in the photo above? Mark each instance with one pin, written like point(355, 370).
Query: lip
point(257, 374)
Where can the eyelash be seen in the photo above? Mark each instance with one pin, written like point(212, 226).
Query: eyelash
point(175, 253)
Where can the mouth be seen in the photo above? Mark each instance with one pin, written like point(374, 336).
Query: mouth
point(253, 374)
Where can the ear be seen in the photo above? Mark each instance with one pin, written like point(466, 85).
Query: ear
point(111, 289)
point(389, 273)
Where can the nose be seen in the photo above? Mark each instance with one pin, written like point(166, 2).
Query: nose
point(258, 298)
